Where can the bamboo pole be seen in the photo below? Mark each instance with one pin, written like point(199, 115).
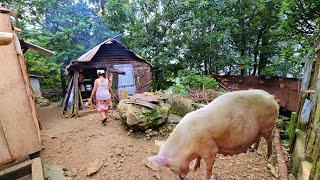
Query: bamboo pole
point(283, 170)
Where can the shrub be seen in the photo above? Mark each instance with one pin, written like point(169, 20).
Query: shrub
point(188, 80)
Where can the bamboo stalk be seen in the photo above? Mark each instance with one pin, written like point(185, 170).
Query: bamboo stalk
point(283, 170)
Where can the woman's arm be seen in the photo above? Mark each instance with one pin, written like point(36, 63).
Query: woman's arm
point(110, 89)
point(94, 90)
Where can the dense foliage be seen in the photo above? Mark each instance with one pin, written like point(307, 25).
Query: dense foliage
point(234, 37)
point(186, 81)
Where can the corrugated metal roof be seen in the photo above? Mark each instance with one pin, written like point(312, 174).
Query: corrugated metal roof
point(88, 56)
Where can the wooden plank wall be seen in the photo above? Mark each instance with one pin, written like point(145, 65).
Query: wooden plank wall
point(18, 118)
point(109, 55)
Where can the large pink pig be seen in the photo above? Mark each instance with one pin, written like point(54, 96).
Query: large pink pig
point(229, 125)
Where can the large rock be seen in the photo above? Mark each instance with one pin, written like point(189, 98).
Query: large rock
point(298, 153)
point(304, 170)
point(142, 118)
point(180, 105)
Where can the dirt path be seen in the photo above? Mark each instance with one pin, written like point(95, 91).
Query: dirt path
point(76, 142)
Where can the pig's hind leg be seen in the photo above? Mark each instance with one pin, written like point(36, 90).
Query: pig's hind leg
point(268, 137)
point(255, 145)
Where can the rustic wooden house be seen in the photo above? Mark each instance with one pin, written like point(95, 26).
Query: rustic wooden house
point(130, 72)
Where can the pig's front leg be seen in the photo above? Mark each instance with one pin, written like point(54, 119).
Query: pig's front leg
point(209, 159)
point(197, 164)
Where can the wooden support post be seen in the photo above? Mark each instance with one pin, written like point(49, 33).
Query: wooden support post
point(76, 93)
point(80, 99)
point(292, 136)
point(66, 98)
point(70, 111)
point(36, 169)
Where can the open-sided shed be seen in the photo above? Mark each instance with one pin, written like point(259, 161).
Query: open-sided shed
point(130, 72)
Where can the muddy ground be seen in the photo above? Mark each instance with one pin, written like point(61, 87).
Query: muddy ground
point(75, 143)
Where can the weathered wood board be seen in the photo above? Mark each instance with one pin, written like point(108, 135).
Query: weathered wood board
point(19, 127)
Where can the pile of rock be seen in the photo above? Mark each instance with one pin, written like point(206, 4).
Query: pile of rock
point(144, 111)
point(41, 101)
point(156, 114)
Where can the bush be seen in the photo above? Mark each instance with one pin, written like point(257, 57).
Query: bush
point(188, 80)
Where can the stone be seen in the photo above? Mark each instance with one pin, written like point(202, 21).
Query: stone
point(157, 176)
point(94, 167)
point(73, 172)
point(298, 151)
point(304, 170)
point(118, 151)
point(138, 117)
point(180, 105)
point(148, 131)
point(272, 170)
point(55, 172)
point(174, 119)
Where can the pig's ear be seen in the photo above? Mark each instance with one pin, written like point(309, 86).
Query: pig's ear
point(159, 160)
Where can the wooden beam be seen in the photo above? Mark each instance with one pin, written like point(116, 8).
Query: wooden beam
point(66, 97)
point(76, 93)
point(36, 169)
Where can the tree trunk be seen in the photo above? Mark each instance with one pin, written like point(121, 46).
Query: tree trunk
point(263, 55)
point(242, 46)
point(256, 52)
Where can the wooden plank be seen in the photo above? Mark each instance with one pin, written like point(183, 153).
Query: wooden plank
point(142, 103)
point(5, 155)
point(81, 100)
point(17, 116)
point(16, 171)
point(29, 93)
point(37, 171)
point(66, 98)
point(76, 93)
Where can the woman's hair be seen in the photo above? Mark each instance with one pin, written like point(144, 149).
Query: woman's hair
point(101, 73)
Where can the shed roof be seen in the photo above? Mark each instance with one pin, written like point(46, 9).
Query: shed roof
point(88, 56)
point(35, 76)
point(36, 48)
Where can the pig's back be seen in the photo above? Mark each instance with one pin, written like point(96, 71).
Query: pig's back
point(235, 119)
point(256, 104)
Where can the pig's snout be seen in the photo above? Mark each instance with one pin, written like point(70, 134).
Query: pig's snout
point(182, 177)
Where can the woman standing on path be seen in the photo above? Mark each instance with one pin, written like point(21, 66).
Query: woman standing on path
point(102, 91)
